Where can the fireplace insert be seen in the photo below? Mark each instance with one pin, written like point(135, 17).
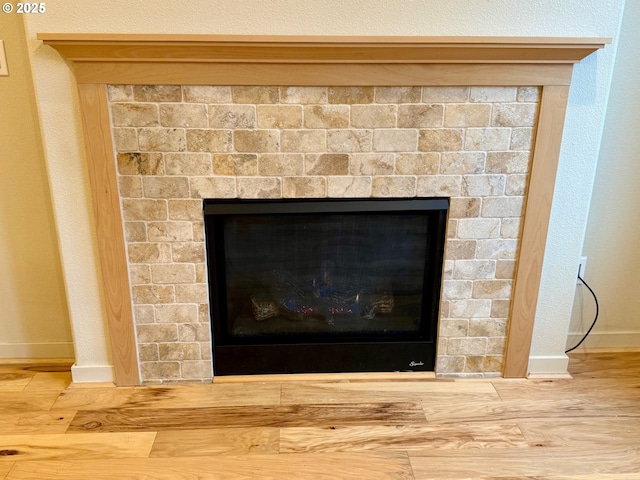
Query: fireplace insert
point(324, 285)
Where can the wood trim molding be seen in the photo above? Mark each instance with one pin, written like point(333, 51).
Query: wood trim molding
point(249, 60)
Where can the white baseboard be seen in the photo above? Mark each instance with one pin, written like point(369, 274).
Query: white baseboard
point(605, 340)
point(549, 366)
point(91, 373)
point(37, 350)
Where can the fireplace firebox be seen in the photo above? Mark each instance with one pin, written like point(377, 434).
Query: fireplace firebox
point(312, 285)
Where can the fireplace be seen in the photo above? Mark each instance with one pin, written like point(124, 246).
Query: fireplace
point(324, 285)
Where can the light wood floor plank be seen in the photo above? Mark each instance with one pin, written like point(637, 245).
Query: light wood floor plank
point(5, 468)
point(523, 463)
point(216, 441)
point(400, 438)
point(17, 402)
point(329, 377)
point(48, 381)
point(127, 419)
point(21, 448)
point(352, 466)
point(12, 381)
point(174, 396)
point(564, 432)
point(36, 422)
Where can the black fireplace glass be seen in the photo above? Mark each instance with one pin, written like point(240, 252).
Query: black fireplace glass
point(312, 275)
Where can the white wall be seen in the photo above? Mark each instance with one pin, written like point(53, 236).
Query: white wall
point(613, 235)
point(60, 120)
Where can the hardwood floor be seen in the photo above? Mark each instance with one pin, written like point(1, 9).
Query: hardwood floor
point(361, 427)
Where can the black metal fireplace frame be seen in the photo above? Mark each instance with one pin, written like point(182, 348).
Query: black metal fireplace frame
point(356, 353)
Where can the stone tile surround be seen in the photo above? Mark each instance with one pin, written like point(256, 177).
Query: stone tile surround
point(178, 144)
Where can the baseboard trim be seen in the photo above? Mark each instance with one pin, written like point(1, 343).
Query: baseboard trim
point(91, 373)
point(605, 340)
point(548, 366)
point(37, 350)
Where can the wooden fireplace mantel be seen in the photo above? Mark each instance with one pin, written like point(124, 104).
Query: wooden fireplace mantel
point(101, 59)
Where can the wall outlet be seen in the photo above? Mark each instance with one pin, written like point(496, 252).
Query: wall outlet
point(582, 266)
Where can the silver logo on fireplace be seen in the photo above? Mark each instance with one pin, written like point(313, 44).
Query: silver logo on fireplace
point(416, 364)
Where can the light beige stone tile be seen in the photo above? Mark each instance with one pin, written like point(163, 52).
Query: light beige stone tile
point(176, 313)
point(528, 94)
point(185, 209)
point(166, 187)
point(487, 327)
point(192, 293)
point(500, 308)
point(203, 313)
point(493, 94)
point(206, 94)
point(452, 228)
point(187, 164)
point(489, 139)
point(521, 139)
point(327, 164)
point(371, 163)
point(349, 140)
point(492, 289)
point(439, 186)
point(197, 369)
point(212, 187)
point(303, 141)
point(503, 248)
point(372, 116)
point(304, 187)
point(280, 164)
point(440, 140)
point(395, 140)
point(398, 186)
point(162, 139)
point(462, 162)
point(457, 290)
point(179, 351)
point(149, 252)
point(461, 249)
point(194, 332)
point(516, 185)
point(349, 187)
point(279, 116)
point(474, 270)
point(198, 231)
point(464, 207)
point(148, 352)
point(449, 364)
point(152, 294)
point(447, 274)
point(467, 346)
point(183, 115)
point(140, 163)
point(483, 185)
point(232, 164)
point(454, 328)
point(120, 93)
point(444, 307)
point(157, 93)
point(260, 187)
point(134, 115)
point(420, 116)
point(187, 252)
point(478, 228)
point(510, 227)
point(160, 370)
point(130, 187)
point(417, 163)
point(201, 271)
point(484, 364)
point(445, 94)
point(505, 269)
point(496, 345)
point(139, 274)
point(502, 206)
point(232, 116)
point(135, 231)
point(507, 162)
point(209, 140)
point(125, 139)
point(144, 209)
point(326, 116)
point(467, 115)
point(398, 94)
point(173, 273)
point(514, 115)
point(255, 94)
point(256, 141)
point(351, 95)
point(304, 95)
point(170, 231)
point(144, 314)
